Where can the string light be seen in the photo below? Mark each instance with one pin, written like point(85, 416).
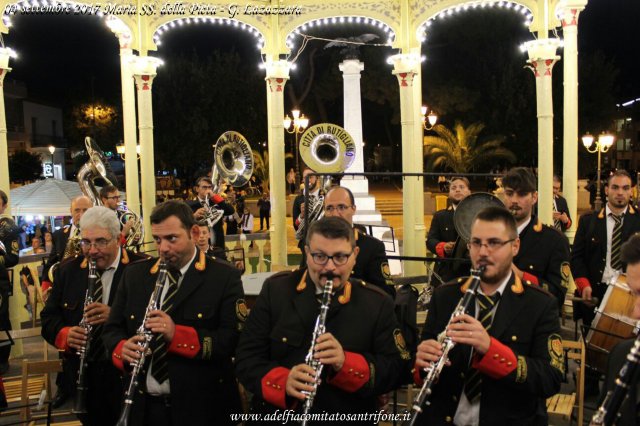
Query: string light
point(223, 21)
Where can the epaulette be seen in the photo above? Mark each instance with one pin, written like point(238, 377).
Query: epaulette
point(368, 286)
point(538, 226)
point(144, 259)
point(66, 229)
point(631, 210)
point(71, 259)
point(531, 286)
point(450, 208)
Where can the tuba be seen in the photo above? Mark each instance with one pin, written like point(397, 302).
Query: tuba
point(97, 167)
point(232, 164)
point(467, 210)
point(325, 148)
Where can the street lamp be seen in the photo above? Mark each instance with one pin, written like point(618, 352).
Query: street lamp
point(602, 145)
point(120, 151)
point(298, 124)
point(432, 118)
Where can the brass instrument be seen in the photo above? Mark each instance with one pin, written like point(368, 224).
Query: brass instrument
point(310, 360)
point(434, 370)
point(97, 167)
point(154, 304)
point(80, 403)
point(467, 210)
point(325, 148)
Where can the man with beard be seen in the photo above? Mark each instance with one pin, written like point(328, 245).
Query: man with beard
point(442, 238)
point(543, 258)
point(65, 309)
point(188, 378)
point(207, 201)
point(561, 216)
point(371, 265)
point(508, 355)
point(362, 350)
point(9, 253)
point(298, 211)
point(595, 259)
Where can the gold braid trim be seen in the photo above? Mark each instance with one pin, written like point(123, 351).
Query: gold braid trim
point(303, 283)
point(201, 264)
point(125, 257)
point(345, 297)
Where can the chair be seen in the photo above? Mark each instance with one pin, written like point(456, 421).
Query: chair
point(39, 369)
point(562, 405)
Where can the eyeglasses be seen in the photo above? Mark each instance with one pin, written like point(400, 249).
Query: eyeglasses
point(115, 197)
point(206, 186)
point(492, 244)
point(338, 258)
point(340, 207)
point(100, 243)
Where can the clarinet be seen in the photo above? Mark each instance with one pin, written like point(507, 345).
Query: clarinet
point(434, 370)
point(80, 402)
point(154, 304)
point(608, 414)
point(320, 328)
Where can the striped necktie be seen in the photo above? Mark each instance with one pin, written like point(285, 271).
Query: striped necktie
point(159, 364)
point(556, 223)
point(473, 378)
point(96, 343)
point(616, 242)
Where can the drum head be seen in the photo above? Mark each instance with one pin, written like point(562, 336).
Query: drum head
point(468, 208)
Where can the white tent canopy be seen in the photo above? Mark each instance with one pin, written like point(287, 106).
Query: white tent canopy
point(48, 197)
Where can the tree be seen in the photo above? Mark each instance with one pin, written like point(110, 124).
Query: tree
point(25, 167)
point(99, 120)
point(461, 151)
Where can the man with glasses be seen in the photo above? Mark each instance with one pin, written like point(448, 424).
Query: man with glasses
point(508, 355)
point(543, 259)
point(110, 197)
point(362, 350)
point(371, 265)
point(207, 201)
point(561, 216)
point(65, 309)
point(443, 239)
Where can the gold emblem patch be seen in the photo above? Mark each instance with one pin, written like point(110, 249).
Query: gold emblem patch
point(556, 352)
point(241, 310)
point(521, 371)
point(398, 338)
point(565, 272)
point(207, 343)
point(386, 272)
point(14, 246)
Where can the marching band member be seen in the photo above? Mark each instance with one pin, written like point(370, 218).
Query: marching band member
point(561, 216)
point(9, 253)
point(189, 376)
point(65, 308)
point(362, 351)
point(298, 209)
point(205, 201)
point(371, 264)
point(508, 356)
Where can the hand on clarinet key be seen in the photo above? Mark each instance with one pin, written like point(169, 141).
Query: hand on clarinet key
point(77, 337)
point(329, 351)
point(301, 378)
point(429, 351)
point(131, 349)
point(467, 330)
point(97, 313)
point(161, 322)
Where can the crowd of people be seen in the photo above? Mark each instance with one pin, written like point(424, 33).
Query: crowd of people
point(328, 332)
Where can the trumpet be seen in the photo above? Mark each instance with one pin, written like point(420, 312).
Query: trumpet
point(154, 304)
point(80, 403)
point(434, 370)
point(318, 330)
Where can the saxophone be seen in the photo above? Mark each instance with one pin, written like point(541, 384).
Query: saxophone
point(319, 329)
point(154, 304)
point(608, 414)
point(80, 403)
point(434, 370)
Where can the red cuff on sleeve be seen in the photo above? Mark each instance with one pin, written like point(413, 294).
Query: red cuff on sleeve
point(61, 339)
point(116, 356)
point(45, 285)
point(417, 375)
point(217, 199)
point(530, 277)
point(354, 373)
point(440, 249)
point(582, 283)
point(568, 225)
point(498, 362)
point(185, 342)
point(273, 387)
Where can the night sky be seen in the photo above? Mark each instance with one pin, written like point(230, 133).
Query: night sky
point(66, 58)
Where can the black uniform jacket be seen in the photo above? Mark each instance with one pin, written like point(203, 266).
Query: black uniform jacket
point(562, 207)
point(209, 312)
point(372, 265)
point(589, 254)
point(544, 258)
point(217, 228)
point(630, 409)
point(278, 335)
point(59, 241)
point(524, 364)
point(443, 231)
point(8, 258)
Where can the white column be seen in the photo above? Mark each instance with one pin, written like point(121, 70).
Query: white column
point(351, 69)
point(407, 69)
point(277, 74)
point(5, 53)
point(144, 69)
point(542, 57)
point(568, 11)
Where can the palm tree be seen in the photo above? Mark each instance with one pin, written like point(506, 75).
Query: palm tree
point(461, 151)
point(261, 166)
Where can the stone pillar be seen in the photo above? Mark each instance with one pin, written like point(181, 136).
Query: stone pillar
point(542, 57)
point(144, 71)
point(277, 74)
point(351, 69)
point(407, 70)
point(568, 11)
point(5, 53)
